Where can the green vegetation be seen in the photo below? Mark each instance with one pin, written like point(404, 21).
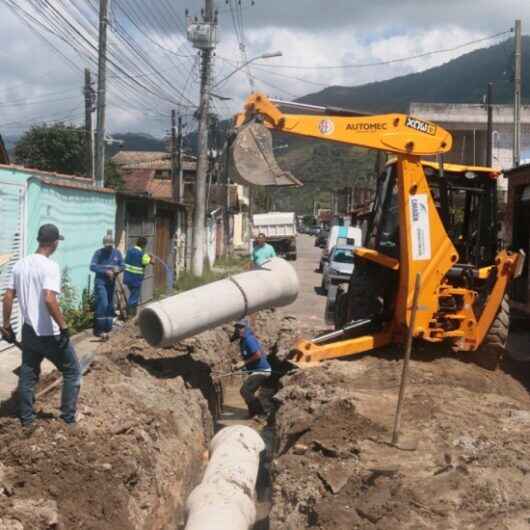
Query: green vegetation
point(79, 314)
point(462, 80)
point(54, 147)
point(113, 178)
point(224, 267)
point(322, 167)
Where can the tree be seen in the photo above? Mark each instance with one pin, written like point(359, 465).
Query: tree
point(53, 147)
point(113, 178)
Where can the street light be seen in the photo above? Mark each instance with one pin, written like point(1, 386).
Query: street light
point(257, 58)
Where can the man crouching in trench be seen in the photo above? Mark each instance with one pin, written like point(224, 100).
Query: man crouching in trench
point(255, 363)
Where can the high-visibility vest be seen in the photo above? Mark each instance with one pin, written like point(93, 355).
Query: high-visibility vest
point(135, 262)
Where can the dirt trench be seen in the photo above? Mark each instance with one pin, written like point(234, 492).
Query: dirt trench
point(146, 417)
point(140, 447)
point(148, 414)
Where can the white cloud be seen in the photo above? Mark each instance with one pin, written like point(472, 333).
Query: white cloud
point(37, 83)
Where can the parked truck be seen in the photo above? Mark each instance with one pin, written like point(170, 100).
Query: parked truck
point(280, 229)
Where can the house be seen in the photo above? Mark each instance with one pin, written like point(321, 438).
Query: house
point(468, 125)
point(30, 198)
point(517, 231)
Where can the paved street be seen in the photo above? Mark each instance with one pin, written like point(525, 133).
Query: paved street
point(309, 305)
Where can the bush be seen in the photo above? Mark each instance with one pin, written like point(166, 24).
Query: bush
point(79, 315)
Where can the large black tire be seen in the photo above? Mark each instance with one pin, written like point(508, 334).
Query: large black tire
point(492, 349)
point(362, 298)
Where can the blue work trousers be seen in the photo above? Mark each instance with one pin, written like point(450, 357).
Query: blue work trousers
point(134, 297)
point(34, 350)
point(104, 314)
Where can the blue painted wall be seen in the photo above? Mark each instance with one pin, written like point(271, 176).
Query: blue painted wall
point(83, 217)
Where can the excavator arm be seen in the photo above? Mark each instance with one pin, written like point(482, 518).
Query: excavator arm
point(445, 311)
point(395, 133)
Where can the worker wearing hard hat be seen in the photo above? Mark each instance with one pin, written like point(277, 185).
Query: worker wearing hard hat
point(255, 363)
point(107, 263)
point(136, 261)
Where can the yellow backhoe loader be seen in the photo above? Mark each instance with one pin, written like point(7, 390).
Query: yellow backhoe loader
point(438, 221)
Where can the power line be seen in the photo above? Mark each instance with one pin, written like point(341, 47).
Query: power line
point(390, 61)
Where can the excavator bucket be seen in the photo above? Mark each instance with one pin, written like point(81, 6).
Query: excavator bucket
point(252, 158)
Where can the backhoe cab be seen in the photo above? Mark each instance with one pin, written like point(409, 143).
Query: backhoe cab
point(438, 222)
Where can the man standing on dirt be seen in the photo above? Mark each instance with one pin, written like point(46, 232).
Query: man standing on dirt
point(255, 363)
point(136, 261)
point(36, 283)
point(262, 251)
point(107, 263)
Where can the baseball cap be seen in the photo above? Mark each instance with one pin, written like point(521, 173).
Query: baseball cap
point(49, 233)
point(242, 323)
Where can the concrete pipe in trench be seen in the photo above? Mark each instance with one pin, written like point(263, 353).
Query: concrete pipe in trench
point(274, 284)
point(224, 500)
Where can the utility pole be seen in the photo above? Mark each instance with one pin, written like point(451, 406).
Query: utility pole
point(174, 176)
point(102, 70)
point(199, 212)
point(489, 128)
point(89, 108)
point(180, 169)
point(517, 96)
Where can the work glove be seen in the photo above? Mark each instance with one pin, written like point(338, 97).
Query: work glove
point(8, 335)
point(64, 339)
point(240, 365)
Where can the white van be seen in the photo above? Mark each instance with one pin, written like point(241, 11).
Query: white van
point(341, 236)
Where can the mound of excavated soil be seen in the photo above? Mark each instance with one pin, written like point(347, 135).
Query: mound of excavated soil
point(146, 416)
point(334, 467)
point(138, 448)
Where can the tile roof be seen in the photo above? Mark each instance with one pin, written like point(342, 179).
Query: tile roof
point(129, 157)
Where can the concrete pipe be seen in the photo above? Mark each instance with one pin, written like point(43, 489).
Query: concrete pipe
point(274, 284)
point(225, 497)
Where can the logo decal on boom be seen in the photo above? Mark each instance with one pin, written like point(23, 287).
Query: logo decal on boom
point(422, 126)
point(326, 127)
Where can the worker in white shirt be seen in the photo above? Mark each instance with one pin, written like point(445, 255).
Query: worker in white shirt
point(36, 283)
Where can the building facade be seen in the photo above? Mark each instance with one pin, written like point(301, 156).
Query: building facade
point(30, 198)
point(468, 123)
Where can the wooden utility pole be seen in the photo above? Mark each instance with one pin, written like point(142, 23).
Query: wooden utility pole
point(517, 96)
point(102, 71)
point(489, 128)
point(89, 108)
point(199, 212)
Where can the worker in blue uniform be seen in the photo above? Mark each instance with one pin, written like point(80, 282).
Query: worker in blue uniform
point(136, 260)
point(254, 363)
point(107, 263)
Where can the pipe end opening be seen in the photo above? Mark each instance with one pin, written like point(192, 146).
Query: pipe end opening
point(151, 327)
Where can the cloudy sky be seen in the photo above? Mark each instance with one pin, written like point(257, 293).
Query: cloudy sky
point(47, 44)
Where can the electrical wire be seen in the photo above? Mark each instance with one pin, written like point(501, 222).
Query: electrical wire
point(390, 61)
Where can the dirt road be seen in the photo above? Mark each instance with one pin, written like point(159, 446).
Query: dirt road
point(309, 306)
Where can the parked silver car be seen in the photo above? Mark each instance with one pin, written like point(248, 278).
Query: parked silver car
point(339, 267)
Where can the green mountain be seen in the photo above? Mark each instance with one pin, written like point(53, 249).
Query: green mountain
point(462, 80)
point(135, 142)
point(324, 166)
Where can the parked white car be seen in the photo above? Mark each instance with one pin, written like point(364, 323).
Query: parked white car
point(339, 266)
